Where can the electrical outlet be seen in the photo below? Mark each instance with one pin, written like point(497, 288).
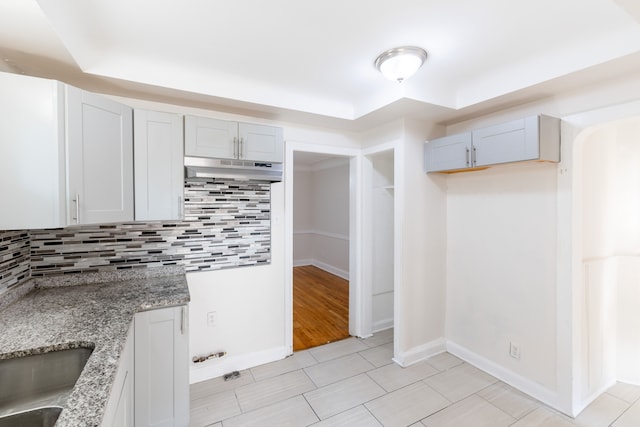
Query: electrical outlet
point(212, 318)
point(514, 350)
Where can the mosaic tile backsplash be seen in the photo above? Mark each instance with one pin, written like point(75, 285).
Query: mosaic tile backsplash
point(227, 224)
point(14, 258)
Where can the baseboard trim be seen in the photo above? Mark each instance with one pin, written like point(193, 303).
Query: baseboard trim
point(421, 352)
point(633, 380)
point(302, 262)
point(217, 367)
point(322, 234)
point(532, 388)
point(582, 404)
point(382, 325)
point(323, 266)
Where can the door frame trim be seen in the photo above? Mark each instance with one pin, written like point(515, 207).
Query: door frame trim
point(356, 298)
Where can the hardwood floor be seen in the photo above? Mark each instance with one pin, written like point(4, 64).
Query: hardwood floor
point(320, 307)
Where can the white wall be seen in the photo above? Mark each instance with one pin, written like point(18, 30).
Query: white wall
point(420, 272)
point(578, 109)
point(597, 344)
point(610, 256)
point(628, 319)
point(501, 267)
point(626, 219)
point(302, 217)
point(249, 306)
point(321, 216)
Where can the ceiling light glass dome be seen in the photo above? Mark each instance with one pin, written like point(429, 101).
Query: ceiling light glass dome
point(400, 63)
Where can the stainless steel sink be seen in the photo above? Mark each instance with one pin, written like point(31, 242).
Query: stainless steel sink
point(39, 382)
point(41, 417)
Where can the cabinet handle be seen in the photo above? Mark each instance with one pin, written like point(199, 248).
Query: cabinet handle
point(467, 155)
point(180, 208)
point(77, 202)
point(241, 148)
point(473, 156)
point(235, 148)
point(183, 320)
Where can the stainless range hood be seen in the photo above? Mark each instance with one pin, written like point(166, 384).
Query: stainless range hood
point(201, 167)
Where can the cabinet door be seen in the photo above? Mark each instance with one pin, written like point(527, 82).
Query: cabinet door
point(119, 411)
point(513, 141)
point(158, 165)
point(32, 169)
point(100, 159)
point(205, 137)
point(448, 153)
point(261, 143)
point(162, 368)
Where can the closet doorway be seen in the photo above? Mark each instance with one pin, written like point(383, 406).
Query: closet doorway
point(379, 247)
point(321, 200)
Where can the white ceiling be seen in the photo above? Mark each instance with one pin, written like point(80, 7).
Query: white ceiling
point(312, 61)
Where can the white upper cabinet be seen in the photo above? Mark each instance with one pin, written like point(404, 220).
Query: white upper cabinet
point(448, 153)
point(514, 141)
point(32, 163)
point(531, 138)
point(100, 159)
point(63, 166)
point(205, 137)
point(220, 139)
point(158, 165)
point(261, 143)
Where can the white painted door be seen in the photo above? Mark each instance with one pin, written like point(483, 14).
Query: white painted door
point(448, 153)
point(159, 170)
point(260, 143)
point(162, 368)
point(205, 137)
point(99, 159)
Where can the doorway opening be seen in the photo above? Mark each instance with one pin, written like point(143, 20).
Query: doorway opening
point(379, 249)
point(608, 212)
point(321, 248)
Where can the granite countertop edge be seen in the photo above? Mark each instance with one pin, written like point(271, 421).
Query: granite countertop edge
point(69, 314)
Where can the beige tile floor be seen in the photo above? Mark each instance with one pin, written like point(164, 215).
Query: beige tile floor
point(354, 383)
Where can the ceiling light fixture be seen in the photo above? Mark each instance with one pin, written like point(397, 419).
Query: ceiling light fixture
point(400, 63)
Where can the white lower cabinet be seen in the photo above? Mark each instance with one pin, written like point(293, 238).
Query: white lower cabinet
point(151, 387)
point(162, 368)
point(119, 412)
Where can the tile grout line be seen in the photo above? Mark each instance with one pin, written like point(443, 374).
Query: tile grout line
point(521, 416)
point(496, 406)
point(242, 412)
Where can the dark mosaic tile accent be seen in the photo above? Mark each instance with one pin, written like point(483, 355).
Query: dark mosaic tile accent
point(14, 258)
point(227, 224)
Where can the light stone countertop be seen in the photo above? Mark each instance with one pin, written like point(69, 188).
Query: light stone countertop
point(96, 315)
